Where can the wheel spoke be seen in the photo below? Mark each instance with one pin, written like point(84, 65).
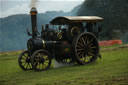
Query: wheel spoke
point(45, 57)
point(27, 65)
point(30, 65)
point(83, 41)
point(91, 50)
point(79, 45)
point(90, 41)
point(79, 52)
point(87, 41)
point(24, 64)
point(23, 60)
point(91, 54)
point(40, 65)
point(85, 37)
point(40, 55)
point(25, 55)
point(90, 44)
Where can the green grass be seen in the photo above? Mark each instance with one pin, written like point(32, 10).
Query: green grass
point(113, 46)
point(112, 69)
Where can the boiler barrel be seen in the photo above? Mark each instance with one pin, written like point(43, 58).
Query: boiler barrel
point(39, 43)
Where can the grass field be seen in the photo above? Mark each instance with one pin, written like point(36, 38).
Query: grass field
point(112, 69)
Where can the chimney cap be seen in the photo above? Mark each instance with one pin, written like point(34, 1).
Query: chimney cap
point(33, 9)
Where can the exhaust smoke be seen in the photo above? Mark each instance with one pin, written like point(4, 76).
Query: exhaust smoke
point(33, 3)
point(58, 64)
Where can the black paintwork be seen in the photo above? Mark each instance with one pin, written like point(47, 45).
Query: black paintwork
point(61, 41)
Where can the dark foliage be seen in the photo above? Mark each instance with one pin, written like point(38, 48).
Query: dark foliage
point(114, 12)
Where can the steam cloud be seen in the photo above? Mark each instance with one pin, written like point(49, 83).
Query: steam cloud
point(33, 3)
point(58, 64)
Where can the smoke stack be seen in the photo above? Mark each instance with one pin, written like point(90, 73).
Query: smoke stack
point(33, 14)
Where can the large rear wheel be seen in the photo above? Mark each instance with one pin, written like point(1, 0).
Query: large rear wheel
point(86, 48)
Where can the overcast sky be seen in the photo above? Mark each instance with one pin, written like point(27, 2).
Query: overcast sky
point(10, 7)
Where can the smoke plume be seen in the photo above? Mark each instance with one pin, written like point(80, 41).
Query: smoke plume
point(33, 3)
point(58, 64)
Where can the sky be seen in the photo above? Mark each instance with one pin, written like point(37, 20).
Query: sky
point(11, 7)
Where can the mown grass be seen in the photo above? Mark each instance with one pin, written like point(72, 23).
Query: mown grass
point(112, 69)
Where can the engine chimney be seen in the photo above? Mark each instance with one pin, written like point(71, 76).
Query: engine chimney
point(33, 14)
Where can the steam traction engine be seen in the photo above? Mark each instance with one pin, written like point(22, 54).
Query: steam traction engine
point(68, 39)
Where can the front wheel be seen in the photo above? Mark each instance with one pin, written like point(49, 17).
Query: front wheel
point(41, 60)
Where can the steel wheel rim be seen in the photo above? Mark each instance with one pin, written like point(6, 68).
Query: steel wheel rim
point(86, 48)
point(24, 61)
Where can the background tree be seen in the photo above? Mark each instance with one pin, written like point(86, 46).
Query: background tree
point(114, 12)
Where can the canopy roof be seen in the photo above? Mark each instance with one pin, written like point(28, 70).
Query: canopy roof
point(75, 19)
